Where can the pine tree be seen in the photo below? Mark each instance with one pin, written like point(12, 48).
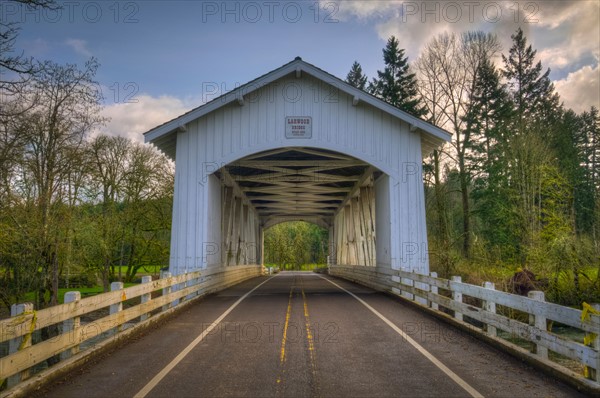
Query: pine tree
point(486, 118)
point(532, 91)
point(485, 132)
point(396, 84)
point(587, 183)
point(356, 77)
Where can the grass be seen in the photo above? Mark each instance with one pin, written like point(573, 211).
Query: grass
point(144, 270)
point(303, 267)
point(563, 292)
point(85, 292)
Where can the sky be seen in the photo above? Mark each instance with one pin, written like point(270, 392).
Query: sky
point(159, 59)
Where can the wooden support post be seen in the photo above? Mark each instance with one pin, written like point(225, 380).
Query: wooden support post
point(145, 297)
point(594, 373)
point(407, 282)
point(350, 238)
point(434, 290)
point(539, 322)
point(457, 297)
point(422, 299)
point(596, 345)
point(166, 290)
point(340, 233)
point(227, 220)
point(19, 343)
point(118, 307)
point(72, 324)
point(243, 252)
point(489, 306)
point(372, 237)
point(235, 237)
point(358, 232)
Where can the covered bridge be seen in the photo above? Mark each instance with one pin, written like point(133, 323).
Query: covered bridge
point(298, 144)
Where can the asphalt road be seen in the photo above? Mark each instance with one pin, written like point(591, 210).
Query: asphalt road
point(300, 335)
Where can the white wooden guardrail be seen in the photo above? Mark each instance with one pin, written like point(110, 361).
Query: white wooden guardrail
point(74, 335)
point(491, 309)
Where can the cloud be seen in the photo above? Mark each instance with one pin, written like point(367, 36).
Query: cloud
point(580, 89)
point(363, 9)
point(567, 33)
point(79, 46)
point(414, 23)
point(133, 119)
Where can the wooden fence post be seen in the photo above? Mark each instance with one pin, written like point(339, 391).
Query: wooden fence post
point(456, 296)
point(490, 307)
point(538, 321)
point(434, 290)
point(19, 343)
point(118, 307)
point(72, 324)
point(407, 282)
point(145, 297)
point(594, 373)
point(166, 290)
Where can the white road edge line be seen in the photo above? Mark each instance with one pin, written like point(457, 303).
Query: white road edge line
point(473, 392)
point(161, 375)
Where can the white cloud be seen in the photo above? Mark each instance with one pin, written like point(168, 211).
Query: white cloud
point(133, 119)
point(580, 89)
point(414, 23)
point(79, 46)
point(567, 33)
point(362, 9)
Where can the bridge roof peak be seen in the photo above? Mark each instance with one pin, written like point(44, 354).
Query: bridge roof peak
point(433, 134)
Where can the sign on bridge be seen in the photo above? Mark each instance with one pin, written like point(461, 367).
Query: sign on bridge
point(298, 127)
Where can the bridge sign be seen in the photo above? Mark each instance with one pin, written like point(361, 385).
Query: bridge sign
point(298, 127)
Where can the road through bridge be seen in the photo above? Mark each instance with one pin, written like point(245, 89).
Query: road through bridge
point(304, 334)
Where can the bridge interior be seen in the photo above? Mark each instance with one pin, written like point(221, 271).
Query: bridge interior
point(330, 189)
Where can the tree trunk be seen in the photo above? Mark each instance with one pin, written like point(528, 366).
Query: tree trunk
point(464, 188)
point(442, 222)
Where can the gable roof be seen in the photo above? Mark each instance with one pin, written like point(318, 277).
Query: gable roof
point(160, 135)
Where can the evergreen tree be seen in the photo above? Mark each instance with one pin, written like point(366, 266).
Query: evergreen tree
point(587, 188)
point(396, 84)
point(356, 77)
point(486, 124)
point(486, 119)
point(532, 91)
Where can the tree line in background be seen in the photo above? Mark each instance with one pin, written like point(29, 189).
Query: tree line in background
point(519, 185)
point(292, 245)
point(73, 208)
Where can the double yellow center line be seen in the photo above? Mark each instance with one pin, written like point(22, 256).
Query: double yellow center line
point(309, 335)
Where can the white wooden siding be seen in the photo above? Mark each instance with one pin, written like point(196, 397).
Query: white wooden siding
point(234, 131)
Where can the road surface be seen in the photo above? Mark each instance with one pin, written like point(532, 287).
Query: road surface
point(305, 335)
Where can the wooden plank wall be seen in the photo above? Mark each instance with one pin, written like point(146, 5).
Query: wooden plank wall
point(354, 230)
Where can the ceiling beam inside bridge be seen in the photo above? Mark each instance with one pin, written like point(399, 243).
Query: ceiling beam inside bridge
point(289, 184)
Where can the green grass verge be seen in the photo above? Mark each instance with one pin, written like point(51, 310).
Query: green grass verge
point(144, 270)
point(85, 292)
point(303, 267)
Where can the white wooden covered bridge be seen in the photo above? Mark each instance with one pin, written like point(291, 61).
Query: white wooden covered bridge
point(298, 144)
